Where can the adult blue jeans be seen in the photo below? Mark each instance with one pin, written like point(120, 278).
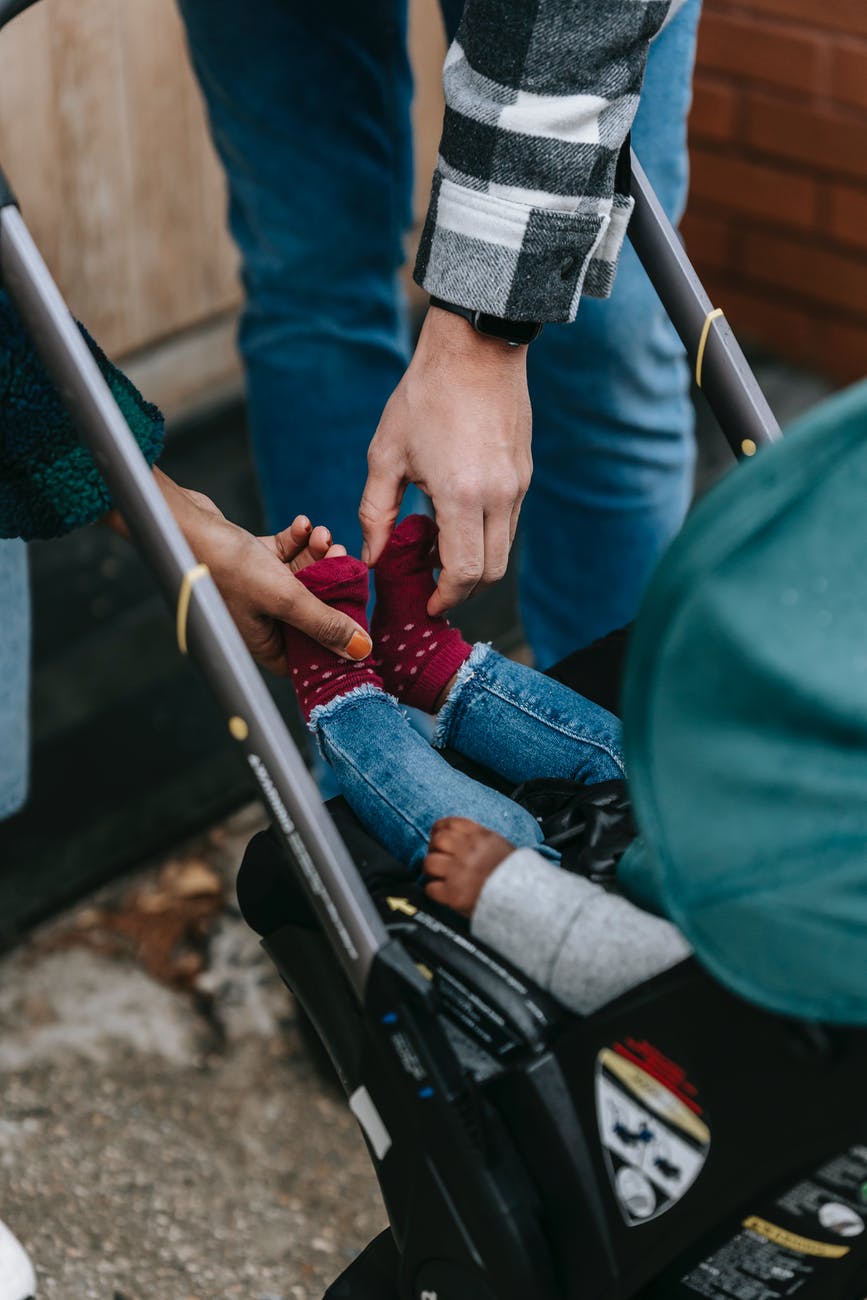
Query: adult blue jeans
point(309, 109)
point(14, 676)
point(501, 714)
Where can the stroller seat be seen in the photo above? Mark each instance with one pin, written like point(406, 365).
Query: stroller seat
point(677, 1143)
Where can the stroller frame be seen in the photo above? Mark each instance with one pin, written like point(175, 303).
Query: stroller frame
point(484, 1215)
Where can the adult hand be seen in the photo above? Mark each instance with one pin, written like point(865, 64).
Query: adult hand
point(459, 426)
point(255, 577)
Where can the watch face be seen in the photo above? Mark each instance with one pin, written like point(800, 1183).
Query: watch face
point(511, 331)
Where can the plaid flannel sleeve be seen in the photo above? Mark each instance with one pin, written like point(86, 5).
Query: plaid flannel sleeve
point(525, 215)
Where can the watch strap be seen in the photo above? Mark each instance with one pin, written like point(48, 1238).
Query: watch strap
point(516, 332)
point(468, 313)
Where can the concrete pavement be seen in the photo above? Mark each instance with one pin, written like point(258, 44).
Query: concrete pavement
point(164, 1134)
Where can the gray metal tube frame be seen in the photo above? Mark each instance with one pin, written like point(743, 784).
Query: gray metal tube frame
point(728, 383)
point(330, 877)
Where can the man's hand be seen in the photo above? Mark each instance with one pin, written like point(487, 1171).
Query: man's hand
point(256, 580)
point(460, 858)
point(458, 425)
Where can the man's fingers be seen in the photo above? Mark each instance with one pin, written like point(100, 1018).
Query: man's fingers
point(498, 543)
point(513, 520)
point(380, 506)
point(462, 555)
point(335, 631)
point(472, 556)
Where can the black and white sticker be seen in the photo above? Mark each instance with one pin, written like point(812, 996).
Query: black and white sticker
point(653, 1135)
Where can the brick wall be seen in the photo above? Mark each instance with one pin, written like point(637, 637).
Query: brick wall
point(777, 222)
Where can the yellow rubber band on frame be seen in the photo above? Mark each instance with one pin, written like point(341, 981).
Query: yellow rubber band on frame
point(702, 342)
point(189, 580)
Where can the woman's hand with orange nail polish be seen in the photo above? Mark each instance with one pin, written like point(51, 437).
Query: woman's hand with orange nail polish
point(256, 578)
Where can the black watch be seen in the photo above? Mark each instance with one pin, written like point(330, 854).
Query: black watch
point(515, 332)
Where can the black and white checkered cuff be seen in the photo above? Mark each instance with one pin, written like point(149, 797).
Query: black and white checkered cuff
point(515, 260)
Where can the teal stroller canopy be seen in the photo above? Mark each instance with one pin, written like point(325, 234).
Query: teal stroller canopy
point(746, 724)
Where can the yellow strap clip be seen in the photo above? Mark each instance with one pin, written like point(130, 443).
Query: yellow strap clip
point(189, 580)
point(702, 342)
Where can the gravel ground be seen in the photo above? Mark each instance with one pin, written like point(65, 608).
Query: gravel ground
point(164, 1133)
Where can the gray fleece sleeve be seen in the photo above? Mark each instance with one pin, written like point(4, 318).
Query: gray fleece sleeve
point(575, 940)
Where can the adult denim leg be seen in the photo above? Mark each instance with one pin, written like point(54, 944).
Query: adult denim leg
point(522, 724)
point(14, 676)
point(309, 110)
point(612, 419)
point(398, 786)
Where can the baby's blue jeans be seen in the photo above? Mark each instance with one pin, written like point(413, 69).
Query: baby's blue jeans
point(503, 715)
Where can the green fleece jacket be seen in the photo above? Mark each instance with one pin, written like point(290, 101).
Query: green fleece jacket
point(49, 484)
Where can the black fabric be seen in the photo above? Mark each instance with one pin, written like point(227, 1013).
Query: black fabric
point(270, 896)
point(561, 47)
point(496, 38)
point(548, 258)
point(591, 826)
point(466, 143)
point(269, 893)
point(596, 671)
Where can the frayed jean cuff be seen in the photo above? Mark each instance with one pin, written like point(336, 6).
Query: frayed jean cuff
point(467, 671)
point(323, 713)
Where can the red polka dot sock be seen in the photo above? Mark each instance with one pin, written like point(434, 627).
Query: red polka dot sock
point(416, 654)
point(319, 675)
